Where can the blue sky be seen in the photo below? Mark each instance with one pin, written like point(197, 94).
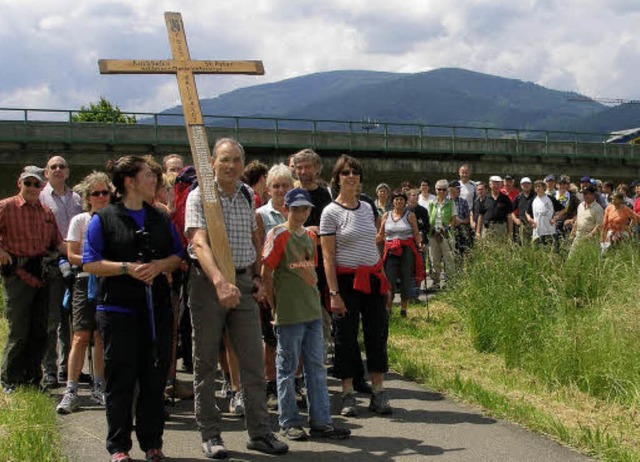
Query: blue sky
point(50, 50)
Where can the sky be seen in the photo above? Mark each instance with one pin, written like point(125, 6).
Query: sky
point(50, 50)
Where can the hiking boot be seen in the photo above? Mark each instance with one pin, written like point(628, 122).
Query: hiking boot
point(154, 455)
point(348, 405)
point(49, 382)
point(69, 403)
point(269, 444)
point(120, 457)
point(236, 404)
point(380, 403)
point(214, 448)
point(330, 432)
point(272, 396)
point(294, 434)
point(97, 394)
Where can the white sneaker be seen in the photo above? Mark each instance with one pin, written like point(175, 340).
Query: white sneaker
point(69, 403)
point(236, 404)
point(97, 395)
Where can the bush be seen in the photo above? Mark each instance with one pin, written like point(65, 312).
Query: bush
point(567, 319)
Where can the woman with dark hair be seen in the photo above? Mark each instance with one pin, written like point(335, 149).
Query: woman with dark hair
point(132, 246)
point(357, 285)
point(402, 260)
point(95, 191)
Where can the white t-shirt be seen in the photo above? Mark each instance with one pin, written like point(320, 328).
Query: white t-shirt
point(543, 212)
point(78, 228)
point(425, 202)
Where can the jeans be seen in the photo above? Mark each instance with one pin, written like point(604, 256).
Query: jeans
point(306, 339)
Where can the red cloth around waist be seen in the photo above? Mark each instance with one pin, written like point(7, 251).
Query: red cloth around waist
point(362, 280)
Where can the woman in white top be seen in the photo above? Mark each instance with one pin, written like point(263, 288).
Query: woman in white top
point(95, 190)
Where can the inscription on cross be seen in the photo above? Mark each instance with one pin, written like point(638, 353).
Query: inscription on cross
point(184, 68)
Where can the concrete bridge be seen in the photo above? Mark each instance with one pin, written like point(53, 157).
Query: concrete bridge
point(398, 149)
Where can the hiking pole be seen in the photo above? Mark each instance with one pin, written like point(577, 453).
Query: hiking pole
point(145, 256)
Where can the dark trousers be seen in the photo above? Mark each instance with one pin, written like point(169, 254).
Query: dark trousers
point(26, 313)
point(375, 325)
point(58, 331)
point(128, 360)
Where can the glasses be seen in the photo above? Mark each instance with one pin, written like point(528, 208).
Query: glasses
point(348, 172)
point(103, 192)
point(441, 189)
point(57, 167)
point(28, 184)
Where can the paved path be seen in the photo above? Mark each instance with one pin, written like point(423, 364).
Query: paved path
point(424, 425)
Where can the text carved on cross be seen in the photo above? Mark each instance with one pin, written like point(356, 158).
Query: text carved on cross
point(184, 68)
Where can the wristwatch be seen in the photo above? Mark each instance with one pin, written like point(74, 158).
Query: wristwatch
point(333, 293)
point(124, 269)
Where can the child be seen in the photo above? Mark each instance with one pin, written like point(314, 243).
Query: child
point(289, 275)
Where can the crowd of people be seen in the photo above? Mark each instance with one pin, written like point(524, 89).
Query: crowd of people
point(120, 270)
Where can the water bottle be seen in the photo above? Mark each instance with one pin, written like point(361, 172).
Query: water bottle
point(65, 268)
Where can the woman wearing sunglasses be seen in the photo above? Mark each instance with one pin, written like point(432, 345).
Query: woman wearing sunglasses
point(95, 191)
point(132, 246)
point(357, 285)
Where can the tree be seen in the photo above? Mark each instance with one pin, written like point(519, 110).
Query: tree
point(103, 111)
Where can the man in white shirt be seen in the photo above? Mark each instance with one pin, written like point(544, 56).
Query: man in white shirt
point(467, 187)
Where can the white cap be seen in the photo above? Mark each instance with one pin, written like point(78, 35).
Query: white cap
point(526, 179)
point(495, 178)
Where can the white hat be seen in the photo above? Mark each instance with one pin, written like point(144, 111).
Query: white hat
point(526, 179)
point(495, 178)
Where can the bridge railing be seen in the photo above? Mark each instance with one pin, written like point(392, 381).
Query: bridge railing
point(363, 135)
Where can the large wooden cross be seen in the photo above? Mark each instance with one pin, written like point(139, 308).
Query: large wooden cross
point(184, 68)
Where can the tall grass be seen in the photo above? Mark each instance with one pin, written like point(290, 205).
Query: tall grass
point(567, 319)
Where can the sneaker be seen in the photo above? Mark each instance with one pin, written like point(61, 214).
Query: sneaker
point(154, 455)
point(225, 389)
point(97, 395)
point(294, 434)
point(214, 448)
point(120, 457)
point(348, 405)
point(8, 389)
point(380, 403)
point(361, 386)
point(272, 396)
point(301, 398)
point(269, 444)
point(330, 432)
point(69, 403)
point(236, 404)
point(49, 382)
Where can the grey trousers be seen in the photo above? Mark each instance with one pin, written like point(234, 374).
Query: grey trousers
point(58, 329)
point(242, 324)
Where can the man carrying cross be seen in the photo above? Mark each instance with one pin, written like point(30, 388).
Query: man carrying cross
point(216, 302)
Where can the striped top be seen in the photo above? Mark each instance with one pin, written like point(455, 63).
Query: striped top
point(355, 232)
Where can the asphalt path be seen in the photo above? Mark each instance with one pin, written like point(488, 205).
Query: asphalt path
point(424, 426)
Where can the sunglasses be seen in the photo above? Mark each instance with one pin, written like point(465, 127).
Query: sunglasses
point(57, 167)
point(28, 184)
point(441, 189)
point(348, 172)
point(104, 193)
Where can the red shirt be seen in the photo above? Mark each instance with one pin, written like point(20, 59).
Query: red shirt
point(512, 195)
point(27, 230)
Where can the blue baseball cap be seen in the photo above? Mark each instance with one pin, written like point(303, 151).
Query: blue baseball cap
point(297, 197)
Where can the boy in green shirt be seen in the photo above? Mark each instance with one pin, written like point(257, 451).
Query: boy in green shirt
point(289, 275)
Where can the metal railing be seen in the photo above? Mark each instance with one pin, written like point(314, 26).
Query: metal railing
point(167, 129)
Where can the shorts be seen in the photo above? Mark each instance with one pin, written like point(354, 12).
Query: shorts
point(83, 310)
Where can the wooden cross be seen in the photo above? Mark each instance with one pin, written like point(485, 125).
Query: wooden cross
point(184, 68)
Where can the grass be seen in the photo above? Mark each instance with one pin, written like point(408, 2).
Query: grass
point(28, 423)
point(540, 339)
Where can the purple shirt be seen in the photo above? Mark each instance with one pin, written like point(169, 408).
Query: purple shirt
point(64, 207)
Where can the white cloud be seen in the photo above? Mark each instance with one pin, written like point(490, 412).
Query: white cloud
point(53, 47)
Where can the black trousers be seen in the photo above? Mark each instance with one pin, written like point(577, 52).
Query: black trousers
point(128, 361)
point(375, 325)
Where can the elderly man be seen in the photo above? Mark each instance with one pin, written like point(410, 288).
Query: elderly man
point(496, 218)
point(28, 231)
point(589, 219)
point(217, 304)
point(173, 163)
point(523, 229)
point(65, 204)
